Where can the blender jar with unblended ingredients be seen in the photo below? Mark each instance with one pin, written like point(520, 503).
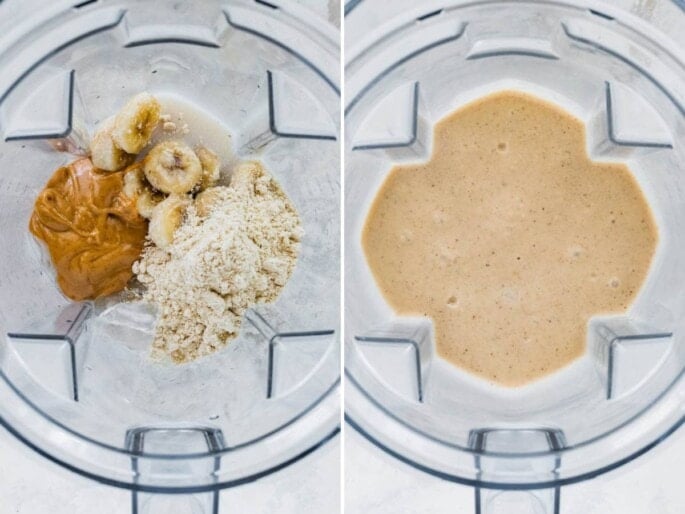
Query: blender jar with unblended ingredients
point(77, 384)
point(622, 77)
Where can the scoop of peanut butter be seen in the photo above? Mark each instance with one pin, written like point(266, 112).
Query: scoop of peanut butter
point(91, 228)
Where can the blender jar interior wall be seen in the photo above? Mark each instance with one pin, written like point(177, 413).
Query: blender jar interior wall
point(81, 374)
point(626, 84)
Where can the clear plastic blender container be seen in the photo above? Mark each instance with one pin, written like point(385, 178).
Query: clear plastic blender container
point(626, 81)
point(76, 381)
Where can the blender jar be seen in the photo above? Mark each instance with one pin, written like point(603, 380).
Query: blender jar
point(626, 81)
point(76, 381)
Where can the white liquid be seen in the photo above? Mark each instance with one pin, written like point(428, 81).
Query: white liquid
point(195, 127)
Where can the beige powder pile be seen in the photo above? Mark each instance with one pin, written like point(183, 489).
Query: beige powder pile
point(236, 247)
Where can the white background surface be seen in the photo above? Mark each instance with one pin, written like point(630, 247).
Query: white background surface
point(30, 484)
point(377, 484)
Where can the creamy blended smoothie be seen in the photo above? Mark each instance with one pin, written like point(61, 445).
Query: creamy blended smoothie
point(510, 238)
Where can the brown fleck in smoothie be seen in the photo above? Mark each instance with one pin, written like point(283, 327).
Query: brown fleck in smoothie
point(510, 238)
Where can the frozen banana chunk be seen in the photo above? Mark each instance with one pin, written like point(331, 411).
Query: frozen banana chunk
point(134, 124)
point(134, 180)
point(166, 217)
point(173, 167)
point(147, 201)
point(137, 187)
point(247, 175)
point(104, 152)
point(211, 168)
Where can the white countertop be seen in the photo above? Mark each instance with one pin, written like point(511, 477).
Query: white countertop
point(376, 483)
point(29, 484)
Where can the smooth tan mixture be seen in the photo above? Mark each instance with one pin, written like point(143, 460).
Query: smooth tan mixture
point(510, 238)
point(92, 230)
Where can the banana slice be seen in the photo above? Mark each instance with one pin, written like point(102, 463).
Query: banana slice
point(206, 201)
point(172, 167)
point(245, 175)
point(133, 125)
point(147, 201)
point(166, 217)
point(135, 186)
point(104, 152)
point(134, 180)
point(210, 167)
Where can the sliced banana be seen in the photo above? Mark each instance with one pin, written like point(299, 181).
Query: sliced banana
point(166, 217)
point(207, 200)
point(147, 201)
point(134, 180)
point(173, 167)
point(135, 186)
point(245, 175)
point(211, 168)
point(134, 124)
point(104, 152)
